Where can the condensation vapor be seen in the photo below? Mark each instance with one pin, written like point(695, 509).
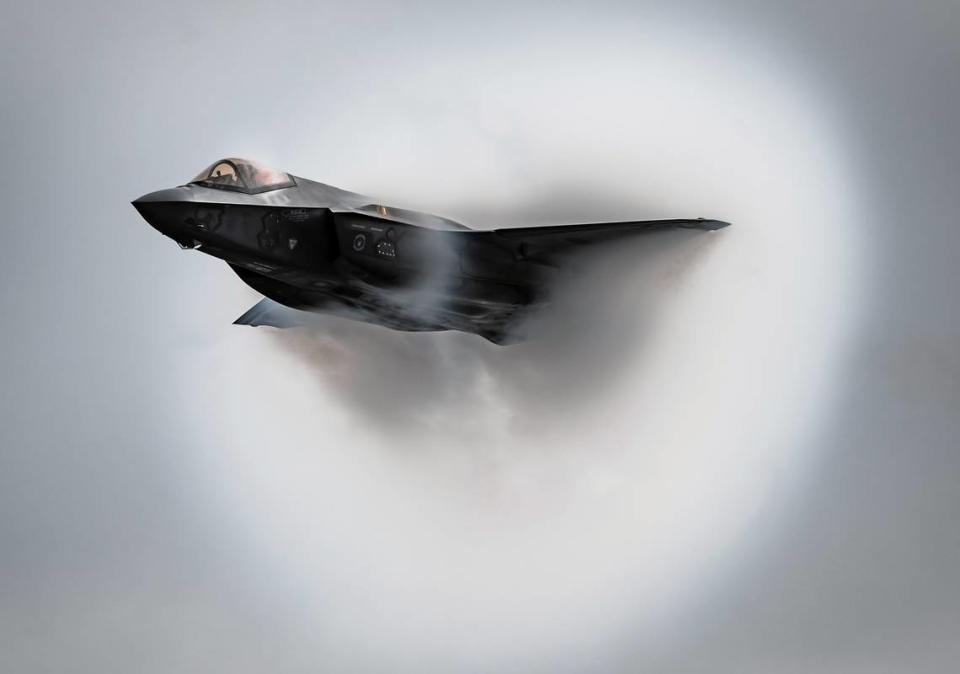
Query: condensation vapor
point(443, 503)
point(573, 351)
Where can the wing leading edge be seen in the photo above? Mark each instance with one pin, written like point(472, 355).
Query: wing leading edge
point(556, 240)
point(556, 235)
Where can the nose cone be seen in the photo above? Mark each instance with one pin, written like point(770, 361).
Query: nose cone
point(159, 208)
point(166, 211)
point(173, 194)
point(151, 210)
point(167, 196)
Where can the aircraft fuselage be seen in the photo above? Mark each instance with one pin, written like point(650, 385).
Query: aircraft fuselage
point(318, 248)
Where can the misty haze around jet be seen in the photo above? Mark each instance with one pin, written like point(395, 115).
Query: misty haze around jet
point(728, 452)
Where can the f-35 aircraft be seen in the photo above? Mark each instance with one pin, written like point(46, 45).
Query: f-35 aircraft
point(317, 248)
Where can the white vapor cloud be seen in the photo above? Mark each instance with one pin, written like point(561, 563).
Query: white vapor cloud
point(436, 499)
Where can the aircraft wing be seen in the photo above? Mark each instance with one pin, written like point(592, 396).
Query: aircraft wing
point(553, 240)
point(274, 314)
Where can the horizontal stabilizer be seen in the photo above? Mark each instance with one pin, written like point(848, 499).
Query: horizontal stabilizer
point(274, 314)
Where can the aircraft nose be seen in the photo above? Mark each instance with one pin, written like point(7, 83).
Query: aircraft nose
point(158, 197)
point(160, 209)
point(149, 207)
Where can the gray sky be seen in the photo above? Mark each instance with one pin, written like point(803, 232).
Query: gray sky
point(751, 466)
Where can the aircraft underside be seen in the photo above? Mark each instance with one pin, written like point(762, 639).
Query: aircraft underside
point(414, 308)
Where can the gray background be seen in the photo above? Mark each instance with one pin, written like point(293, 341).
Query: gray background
point(112, 557)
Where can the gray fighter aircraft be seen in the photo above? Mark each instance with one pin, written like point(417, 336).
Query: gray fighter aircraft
point(316, 248)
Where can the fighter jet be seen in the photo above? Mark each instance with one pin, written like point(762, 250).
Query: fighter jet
point(311, 247)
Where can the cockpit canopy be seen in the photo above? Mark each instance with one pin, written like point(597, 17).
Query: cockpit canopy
point(242, 175)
